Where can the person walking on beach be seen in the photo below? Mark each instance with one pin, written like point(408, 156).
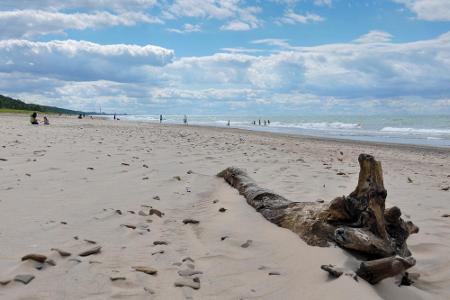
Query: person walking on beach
point(33, 119)
point(185, 120)
point(160, 119)
point(259, 122)
point(228, 124)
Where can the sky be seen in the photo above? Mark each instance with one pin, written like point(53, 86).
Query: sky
point(272, 57)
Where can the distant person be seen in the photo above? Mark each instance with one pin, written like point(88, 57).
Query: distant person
point(46, 121)
point(160, 119)
point(265, 122)
point(114, 116)
point(259, 122)
point(268, 122)
point(228, 124)
point(33, 119)
point(80, 116)
point(254, 122)
point(185, 121)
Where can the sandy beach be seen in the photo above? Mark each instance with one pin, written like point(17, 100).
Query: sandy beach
point(79, 184)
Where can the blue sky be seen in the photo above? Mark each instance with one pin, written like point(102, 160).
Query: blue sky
point(229, 56)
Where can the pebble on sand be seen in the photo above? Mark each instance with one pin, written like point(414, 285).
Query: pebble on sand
point(5, 281)
point(222, 209)
point(25, 279)
point(91, 251)
point(146, 270)
point(118, 278)
point(154, 211)
point(187, 273)
point(188, 283)
point(190, 221)
point(333, 271)
point(160, 243)
point(247, 244)
point(129, 226)
point(156, 198)
point(36, 257)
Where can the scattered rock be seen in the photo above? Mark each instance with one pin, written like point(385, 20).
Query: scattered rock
point(222, 209)
point(410, 180)
point(247, 244)
point(187, 259)
point(332, 270)
point(189, 283)
point(145, 166)
point(160, 243)
point(223, 238)
point(25, 279)
point(90, 241)
point(149, 290)
point(142, 213)
point(91, 251)
point(3, 159)
point(118, 211)
point(5, 281)
point(445, 215)
point(63, 222)
point(320, 201)
point(90, 168)
point(36, 257)
point(156, 198)
point(158, 252)
point(274, 273)
point(215, 201)
point(188, 189)
point(75, 260)
point(129, 226)
point(177, 178)
point(146, 270)
point(51, 262)
point(186, 273)
point(145, 178)
point(118, 278)
point(189, 172)
point(131, 212)
point(61, 252)
point(154, 211)
point(340, 173)
point(446, 188)
point(75, 238)
point(125, 164)
point(190, 221)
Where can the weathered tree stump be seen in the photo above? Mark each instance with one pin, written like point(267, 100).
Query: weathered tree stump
point(356, 222)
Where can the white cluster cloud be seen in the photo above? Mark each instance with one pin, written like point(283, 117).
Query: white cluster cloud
point(375, 36)
point(429, 10)
point(186, 28)
point(291, 17)
point(29, 23)
point(80, 60)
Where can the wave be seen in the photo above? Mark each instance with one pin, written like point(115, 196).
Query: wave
point(407, 130)
point(318, 125)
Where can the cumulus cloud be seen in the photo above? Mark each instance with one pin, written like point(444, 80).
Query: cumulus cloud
point(80, 60)
point(186, 28)
point(428, 10)
point(28, 23)
point(375, 36)
point(291, 17)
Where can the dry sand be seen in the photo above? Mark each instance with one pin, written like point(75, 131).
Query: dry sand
point(62, 184)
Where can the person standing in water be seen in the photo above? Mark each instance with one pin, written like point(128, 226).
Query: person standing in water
point(185, 120)
point(160, 119)
point(228, 124)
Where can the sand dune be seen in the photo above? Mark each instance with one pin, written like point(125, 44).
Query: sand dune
point(80, 182)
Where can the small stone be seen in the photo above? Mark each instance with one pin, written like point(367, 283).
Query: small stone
point(146, 270)
point(118, 211)
point(149, 290)
point(5, 281)
point(247, 244)
point(156, 198)
point(188, 189)
point(155, 212)
point(90, 241)
point(410, 180)
point(158, 252)
point(131, 212)
point(63, 222)
point(215, 201)
point(223, 238)
point(75, 238)
point(145, 178)
point(39, 266)
point(75, 260)
point(177, 178)
point(445, 215)
point(320, 201)
point(187, 259)
point(90, 168)
point(189, 283)
point(190, 221)
point(222, 209)
point(3, 159)
point(125, 164)
point(189, 172)
point(185, 273)
point(61, 252)
point(332, 270)
point(129, 226)
point(160, 243)
point(118, 278)
point(340, 173)
point(142, 213)
point(274, 273)
point(445, 188)
point(91, 251)
point(51, 262)
point(36, 257)
point(145, 166)
point(25, 279)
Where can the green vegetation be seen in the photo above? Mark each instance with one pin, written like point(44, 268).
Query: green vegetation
point(10, 105)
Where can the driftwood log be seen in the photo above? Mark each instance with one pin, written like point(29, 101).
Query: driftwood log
point(358, 222)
